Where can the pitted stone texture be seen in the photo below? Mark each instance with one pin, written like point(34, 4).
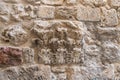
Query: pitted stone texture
point(53, 2)
point(46, 12)
point(115, 3)
point(111, 53)
point(14, 56)
point(15, 34)
point(110, 17)
point(65, 12)
point(71, 1)
point(4, 9)
point(100, 2)
point(60, 43)
point(10, 56)
point(108, 34)
point(28, 55)
point(59, 69)
point(95, 2)
point(26, 72)
point(88, 13)
point(11, 1)
point(85, 73)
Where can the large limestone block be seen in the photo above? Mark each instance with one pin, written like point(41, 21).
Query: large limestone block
point(52, 2)
point(66, 12)
point(46, 12)
point(88, 13)
point(109, 17)
point(15, 34)
point(111, 53)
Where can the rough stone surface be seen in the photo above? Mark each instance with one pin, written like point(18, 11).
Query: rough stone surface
point(88, 13)
point(71, 1)
point(59, 40)
point(110, 17)
point(68, 13)
point(46, 12)
point(53, 2)
point(10, 56)
point(115, 3)
point(15, 34)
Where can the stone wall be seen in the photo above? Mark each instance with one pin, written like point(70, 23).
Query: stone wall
point(59, 40)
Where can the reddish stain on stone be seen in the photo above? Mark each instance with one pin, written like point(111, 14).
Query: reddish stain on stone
point(10, 56)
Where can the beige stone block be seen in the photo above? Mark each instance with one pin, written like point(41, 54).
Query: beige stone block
point(46, 12)
point(15, 34)
point(53, 2)
point(11, 1)
point(88, 13)
point(71, 1)
point(95, 2)
point(66, 12)
point(100, 2)
point(110, 17)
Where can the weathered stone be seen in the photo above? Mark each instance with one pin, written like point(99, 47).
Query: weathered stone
point(26, 72)
point(4, 9)
point(92, 50)
point(18, 8)
point(66, 12)
point(95, 2)
point(111, 53)
point(59, 40)
point(11, 1)
point(46, 12)
point(71, 1)
point(44, 73)
point(52, 2)
point(15, 34)
point(13, 56)
point(10, 56)
point(62, 76)
point(88, 13)
point(4, 19)
point(28, 55)
point(100, 2)
point(58, 69)
point(105, 34)
point(108, 72)
point(44, 56)
point(115, 3)
point(110, 17)
point(85, 73)
point(66, 35)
